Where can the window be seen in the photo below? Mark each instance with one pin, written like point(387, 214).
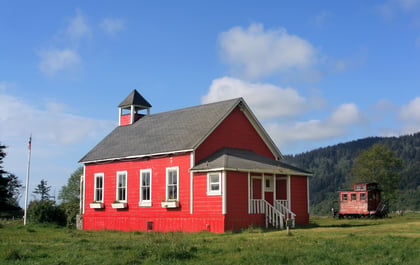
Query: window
point(122, 186)
point(213, 184)
point(269, 183)
point(353, 196)
point(99, 187)
point(344, 197)
point(362, 196)
point(146, 187)
point(172, 183)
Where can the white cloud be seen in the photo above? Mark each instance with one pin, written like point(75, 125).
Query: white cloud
point(320, 19)
point(266, 100)
point(112, 25)
point(338, 124)
point(392, 8)
point(258, 52)
point(51, 125)
point(59, 139)
point(411, 111)
point(78, 27)
point(410, 116)
point(4, 85)
point(55, 60)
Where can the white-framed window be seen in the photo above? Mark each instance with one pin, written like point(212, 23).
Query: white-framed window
point(172, 183)
point(145, 187)
point(121, 186)
point(214, 183)
point(99, 187)
point(269, 183)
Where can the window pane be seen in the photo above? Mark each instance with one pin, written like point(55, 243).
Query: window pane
point(214, 178)
point(214, 187)
point(353, 196)
point(362, 196)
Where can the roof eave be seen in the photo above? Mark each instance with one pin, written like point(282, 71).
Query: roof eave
point(135, 157)
point(253, 170)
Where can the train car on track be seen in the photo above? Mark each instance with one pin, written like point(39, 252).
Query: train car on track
point(363, 201)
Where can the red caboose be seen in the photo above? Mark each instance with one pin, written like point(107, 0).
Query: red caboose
point(363, 201)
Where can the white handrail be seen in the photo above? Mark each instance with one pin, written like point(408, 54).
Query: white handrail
point(272, 215)
point(282, 206)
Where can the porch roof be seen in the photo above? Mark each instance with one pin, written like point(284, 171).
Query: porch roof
point(233, 159)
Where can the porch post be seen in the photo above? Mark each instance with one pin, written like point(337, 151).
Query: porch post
point(249, 192)
point(289, 203)
point(274, 189)
point(262, 187)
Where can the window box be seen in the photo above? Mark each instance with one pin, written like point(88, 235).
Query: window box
point(97, 205)
point(119, 205)
point(170, 204)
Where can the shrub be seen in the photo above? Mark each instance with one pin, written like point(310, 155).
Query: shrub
point(46, 212)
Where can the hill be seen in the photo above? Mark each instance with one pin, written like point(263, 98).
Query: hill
point(332, 170)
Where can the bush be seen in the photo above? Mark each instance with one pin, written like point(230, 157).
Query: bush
point(70, 209)
point(46, 212)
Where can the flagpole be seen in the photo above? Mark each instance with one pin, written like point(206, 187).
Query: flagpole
point(27, 179)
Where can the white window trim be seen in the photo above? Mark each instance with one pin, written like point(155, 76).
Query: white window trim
point(145, 203)
point(271, 180)
point(126, 186)
point(103, 186)
point(216, 192)
point(177, 183)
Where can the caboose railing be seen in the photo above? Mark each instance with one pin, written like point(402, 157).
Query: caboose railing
point(272, 215)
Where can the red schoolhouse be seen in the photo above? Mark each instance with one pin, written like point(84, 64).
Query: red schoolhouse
point(211, 167)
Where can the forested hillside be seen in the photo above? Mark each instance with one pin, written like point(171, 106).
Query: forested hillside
point(332, 170)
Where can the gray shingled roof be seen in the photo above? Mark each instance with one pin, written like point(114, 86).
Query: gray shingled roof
point(246, 160)
point(171, 131)
point(135, 99)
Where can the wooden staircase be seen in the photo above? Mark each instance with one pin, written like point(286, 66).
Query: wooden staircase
point(276, 215)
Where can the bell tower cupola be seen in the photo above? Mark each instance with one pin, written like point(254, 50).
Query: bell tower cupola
point(131, 107)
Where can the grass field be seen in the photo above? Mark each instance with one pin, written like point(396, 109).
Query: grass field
point(393, 240)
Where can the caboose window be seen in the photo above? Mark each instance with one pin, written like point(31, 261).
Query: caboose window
point(362, 196)
point(344, 197)
point(353, 196)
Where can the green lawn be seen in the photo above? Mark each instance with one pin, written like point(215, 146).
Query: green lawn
point(393, 240)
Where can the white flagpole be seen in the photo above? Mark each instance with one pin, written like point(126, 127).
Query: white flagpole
point(27, 179)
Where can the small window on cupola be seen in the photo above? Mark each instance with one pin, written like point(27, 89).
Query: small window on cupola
point(131, 107)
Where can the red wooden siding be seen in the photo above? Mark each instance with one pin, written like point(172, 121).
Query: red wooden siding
point(281, 189)
point(237, 216)
point(299, 198)
point(207, 207)
point(136, 217)
point(256, 189)
point(235, 131)
point(125, 119)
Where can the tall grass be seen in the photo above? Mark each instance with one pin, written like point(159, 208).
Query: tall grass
point(326, 241)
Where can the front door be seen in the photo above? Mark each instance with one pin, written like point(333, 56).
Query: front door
point(256, 189)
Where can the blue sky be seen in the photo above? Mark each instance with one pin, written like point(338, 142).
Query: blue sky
point(314, 73)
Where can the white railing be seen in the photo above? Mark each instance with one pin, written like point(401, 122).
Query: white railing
point(272, 215)
point(283, 207)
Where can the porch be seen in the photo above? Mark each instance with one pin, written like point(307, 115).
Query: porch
point(270, 195)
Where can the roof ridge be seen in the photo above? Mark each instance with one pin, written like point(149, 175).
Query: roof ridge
point(197, 106)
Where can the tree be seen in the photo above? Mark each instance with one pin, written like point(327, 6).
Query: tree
point(379, 164)
point(70, 197)
point(71, 191)
point(46, 212)
point(43, 190)
point(9, 186)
